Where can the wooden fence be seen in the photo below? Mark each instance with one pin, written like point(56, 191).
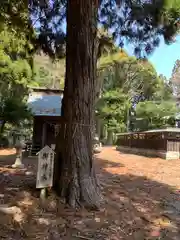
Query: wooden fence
point(167, 140)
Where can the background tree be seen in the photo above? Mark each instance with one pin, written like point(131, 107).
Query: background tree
point(136, 78)
point(112, 108)
point(164, 89)
point(154, 115)
point(139, 81)
point(175, 78)
point(47, 72)
point(158, 112)
point(13, 110)
point(15, 75)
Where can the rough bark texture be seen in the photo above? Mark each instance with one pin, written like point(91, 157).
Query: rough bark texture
point(75, 178)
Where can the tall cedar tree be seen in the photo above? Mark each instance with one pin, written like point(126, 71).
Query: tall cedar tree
point(175, 78)
point(138, 21)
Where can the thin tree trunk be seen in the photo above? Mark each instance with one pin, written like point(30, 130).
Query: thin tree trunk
point(110, 138)
point(2, 127)
point(128, 120)
point(75, 177)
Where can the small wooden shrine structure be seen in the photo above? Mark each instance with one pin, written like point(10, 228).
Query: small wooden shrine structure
point(45, 105)
point(164, 143)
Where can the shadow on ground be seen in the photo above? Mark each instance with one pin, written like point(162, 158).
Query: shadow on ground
point(7, 159)
point(142, 206)
point(135, 208)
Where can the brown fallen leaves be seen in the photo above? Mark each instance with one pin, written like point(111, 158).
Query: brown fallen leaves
point(136, 192)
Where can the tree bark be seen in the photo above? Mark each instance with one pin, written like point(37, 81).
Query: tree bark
point(2, 127)
point(75, 178)
point(109, 138)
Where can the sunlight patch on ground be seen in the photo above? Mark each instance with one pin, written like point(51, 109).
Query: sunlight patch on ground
point(7, 152)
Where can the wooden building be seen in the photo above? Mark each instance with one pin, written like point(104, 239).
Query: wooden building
point(46, 108)
point(164, 143)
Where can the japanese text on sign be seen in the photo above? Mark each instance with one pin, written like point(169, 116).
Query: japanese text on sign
point(45, 168)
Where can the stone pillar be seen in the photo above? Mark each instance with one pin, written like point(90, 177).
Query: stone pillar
point(98, 127)
point(18, 162)
point(103, 135)
point(97, 146)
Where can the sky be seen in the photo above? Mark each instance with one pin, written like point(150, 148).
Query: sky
point(164, 57)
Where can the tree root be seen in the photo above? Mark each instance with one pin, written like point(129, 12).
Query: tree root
point(16, 212)
point(82, 237)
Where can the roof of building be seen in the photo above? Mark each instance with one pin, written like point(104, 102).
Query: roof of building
point(45, 90)
point(169, 129)
point(45, 102)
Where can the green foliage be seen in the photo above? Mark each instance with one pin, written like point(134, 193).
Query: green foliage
point(48, 73)
point(15, 15)
point(155, 115)
point(142, 22)
point(106, 44)
point(150, 96)
point(13, 110)
point(14, 65)
point(160, 112)
point(175, 78)
point(112, 107)
point(42, 24)
point(145, 23)
point(15, 76)
point(110, 59)
point(164, 89)
point(137, 78)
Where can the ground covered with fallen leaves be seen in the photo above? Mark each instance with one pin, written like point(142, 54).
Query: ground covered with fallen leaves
point(142, 201)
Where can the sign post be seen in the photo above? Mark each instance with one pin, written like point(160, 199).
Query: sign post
point(45, 170)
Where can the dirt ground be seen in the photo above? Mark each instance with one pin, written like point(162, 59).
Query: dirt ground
point(141, 202)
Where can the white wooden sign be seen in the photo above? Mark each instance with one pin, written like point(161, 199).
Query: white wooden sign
point(53, 146)
point(45, 168)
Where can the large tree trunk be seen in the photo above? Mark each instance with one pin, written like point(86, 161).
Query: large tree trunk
point(75, 178)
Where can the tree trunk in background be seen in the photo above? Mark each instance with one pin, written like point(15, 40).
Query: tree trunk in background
point(128, 120)
point(109, 138)
point(75, 178)
point(2, 127)
point(98, 127)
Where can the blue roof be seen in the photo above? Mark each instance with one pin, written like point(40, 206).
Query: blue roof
point(45, 105)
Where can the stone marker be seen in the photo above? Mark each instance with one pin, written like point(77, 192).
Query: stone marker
point(18, 162)
point(97, 147)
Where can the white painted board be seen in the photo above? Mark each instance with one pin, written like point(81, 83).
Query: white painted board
point(45, 168)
